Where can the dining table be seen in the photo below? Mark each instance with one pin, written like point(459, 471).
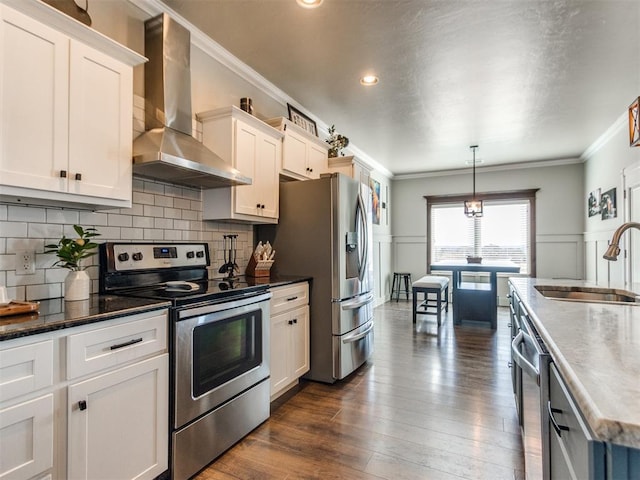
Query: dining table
point(475, 301)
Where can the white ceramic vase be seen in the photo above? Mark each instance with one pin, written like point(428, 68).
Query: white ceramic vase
point(77, 286)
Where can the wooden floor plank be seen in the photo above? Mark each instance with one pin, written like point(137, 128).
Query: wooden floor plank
point(427, 405)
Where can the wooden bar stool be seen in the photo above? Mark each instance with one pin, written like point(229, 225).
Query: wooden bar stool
point(396, 288)
point(430, 284)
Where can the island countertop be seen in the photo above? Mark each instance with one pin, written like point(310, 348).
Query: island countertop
point(596, 347)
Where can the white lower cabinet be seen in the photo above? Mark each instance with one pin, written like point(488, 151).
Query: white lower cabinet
point(101, 411)
point(118, 421)
point(289, 352)
point(26, 438)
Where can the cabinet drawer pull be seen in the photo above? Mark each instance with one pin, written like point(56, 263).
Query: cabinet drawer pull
point(125, 344)
point(78, 176)
point(290, 322)
point(291, 299)
point(82, 405)
point(63, 174)
point(556, 426)
point(295, 320)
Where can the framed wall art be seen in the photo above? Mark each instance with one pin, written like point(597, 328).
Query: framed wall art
point(608, 204)
point(375, 200)
point(300, 119)
point(593, 203)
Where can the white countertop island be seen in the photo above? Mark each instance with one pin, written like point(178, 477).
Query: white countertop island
point(596, 347)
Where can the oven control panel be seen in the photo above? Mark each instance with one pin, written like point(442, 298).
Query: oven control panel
point(143, 256)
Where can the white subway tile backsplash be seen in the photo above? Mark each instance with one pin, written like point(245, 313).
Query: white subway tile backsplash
point(172, 235)
point(164, 223)
point(93, 219)
point(143, 198)
point(46, 230)
point(26, 214)
point(160, 212)
point(163, 201)
point(153, 234)
point(14, 229)
point(153, 187)
point(117, 220)
point(172, 213)
point(132, 234)
point(47, 290)
point(143, 222)
point(153, 211)
point(55, 215)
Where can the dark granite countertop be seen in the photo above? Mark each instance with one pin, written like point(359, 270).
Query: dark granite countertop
point(55, 314)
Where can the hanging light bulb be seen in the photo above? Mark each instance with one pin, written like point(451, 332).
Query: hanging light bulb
point(473, 207)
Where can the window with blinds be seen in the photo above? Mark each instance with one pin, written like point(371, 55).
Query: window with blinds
point(502, 233)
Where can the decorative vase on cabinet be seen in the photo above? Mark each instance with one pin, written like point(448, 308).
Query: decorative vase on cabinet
point(77, 286)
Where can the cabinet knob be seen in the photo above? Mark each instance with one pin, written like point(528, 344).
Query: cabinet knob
point(257, 205)
point(261, 206)
point(63, 174)
point(78, 176)
point(295, 320)
point(290, 322)
point(82, 404)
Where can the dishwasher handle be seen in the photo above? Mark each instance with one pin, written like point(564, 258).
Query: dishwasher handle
point(524, 363)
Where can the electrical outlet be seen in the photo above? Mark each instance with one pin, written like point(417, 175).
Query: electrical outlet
point(25, 263)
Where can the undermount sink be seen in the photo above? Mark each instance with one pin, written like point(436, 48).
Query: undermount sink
point(588, 294)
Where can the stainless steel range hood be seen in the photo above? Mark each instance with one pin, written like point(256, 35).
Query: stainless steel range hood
point(167, 151)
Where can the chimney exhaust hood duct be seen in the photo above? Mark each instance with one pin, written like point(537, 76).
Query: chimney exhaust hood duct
point(167, 151)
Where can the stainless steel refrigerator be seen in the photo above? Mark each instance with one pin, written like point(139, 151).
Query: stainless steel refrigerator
point(324, 231)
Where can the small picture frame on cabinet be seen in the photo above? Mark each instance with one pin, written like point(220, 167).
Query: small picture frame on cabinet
point(301, 120)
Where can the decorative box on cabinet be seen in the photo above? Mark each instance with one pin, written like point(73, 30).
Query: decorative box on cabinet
point(304, 156)
point(289, 336)
point(252, 147)
point(65, 108)
point(350, 166)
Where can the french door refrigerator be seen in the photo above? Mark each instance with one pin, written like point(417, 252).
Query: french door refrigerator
point(324, 231)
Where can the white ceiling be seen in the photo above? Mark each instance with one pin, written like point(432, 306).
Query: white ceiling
point(526, 80)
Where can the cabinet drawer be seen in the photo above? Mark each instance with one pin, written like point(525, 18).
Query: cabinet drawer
point(575, 442)
point(110, 346)
point(288, 297)
point(25, 369)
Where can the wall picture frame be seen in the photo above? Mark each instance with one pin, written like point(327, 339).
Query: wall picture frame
point(608, 204)
point(375, 200)
point(593, 202)
point(302, 120)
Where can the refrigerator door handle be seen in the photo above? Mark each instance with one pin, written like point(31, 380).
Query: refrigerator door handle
point(353, 304)
point(364, 241)
point(356, 337)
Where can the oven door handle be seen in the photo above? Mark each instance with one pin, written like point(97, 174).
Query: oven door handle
point(527, 367)
point(358, 336)
point(353, 304)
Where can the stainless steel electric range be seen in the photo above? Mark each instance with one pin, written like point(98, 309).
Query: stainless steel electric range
point(219, 345)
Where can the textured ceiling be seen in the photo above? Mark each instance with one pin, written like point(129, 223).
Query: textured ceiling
point(525, 80)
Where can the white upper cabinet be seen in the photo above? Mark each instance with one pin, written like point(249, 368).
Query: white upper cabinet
point(304, 156)
point(350, 166)
point(66, 100)
point(255, 149)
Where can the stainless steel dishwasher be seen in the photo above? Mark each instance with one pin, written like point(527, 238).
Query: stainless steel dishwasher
point(532, 362)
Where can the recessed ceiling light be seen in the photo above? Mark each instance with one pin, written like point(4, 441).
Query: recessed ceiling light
point(369, 80)
point(310, 3)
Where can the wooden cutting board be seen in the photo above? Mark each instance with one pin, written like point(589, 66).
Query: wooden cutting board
point(16, 308)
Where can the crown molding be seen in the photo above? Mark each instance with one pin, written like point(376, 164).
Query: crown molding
point(217, 52)
point(492, 168)
point(621, 123)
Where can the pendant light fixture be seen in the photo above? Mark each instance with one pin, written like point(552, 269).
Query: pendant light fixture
point(473, 207)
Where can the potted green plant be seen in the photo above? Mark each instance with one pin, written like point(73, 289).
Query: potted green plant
point(70, 253)
point(337, 142)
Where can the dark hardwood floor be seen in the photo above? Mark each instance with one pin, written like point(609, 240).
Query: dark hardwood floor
point(425, 406)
